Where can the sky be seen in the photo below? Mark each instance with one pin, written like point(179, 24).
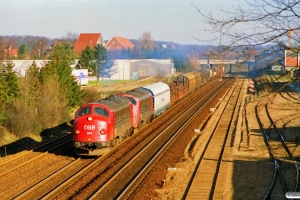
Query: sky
point(167, 20)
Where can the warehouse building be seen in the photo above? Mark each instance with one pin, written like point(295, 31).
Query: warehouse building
point(136, 69)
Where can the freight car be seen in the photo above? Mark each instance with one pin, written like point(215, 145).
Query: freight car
point(103, 124)
point(161, 96)
point(205, 76)
point(215, 72)
point(192, 81)
point(179, 87)
point(184, 84)
point(198, 78)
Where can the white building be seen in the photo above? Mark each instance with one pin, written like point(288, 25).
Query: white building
point(21, 66)
point(135, 69)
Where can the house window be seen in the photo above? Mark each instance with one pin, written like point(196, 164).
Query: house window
point(113, 42)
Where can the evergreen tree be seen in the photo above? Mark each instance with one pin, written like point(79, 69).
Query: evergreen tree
point(21, 116)
point(101, 54)
point(33, 78)
point(135, 53)
point(103, 58)
point(126, 54)
point(87, 60)
point(22, 52)
point(180, 62)
point(8, 84)
point(3, 91)
point(59, 65)
point(146, 53)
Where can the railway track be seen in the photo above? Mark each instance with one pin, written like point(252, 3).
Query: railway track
point(279, 86)
point(60, 175)
point(10, 163)
point(286, 167)
point(16, 177)
point(205, 183)
point(50, 182)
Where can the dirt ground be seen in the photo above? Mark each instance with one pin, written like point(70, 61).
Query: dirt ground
point(251, 171)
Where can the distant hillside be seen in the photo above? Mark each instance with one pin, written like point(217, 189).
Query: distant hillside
point(185, 49)
point(198, 50)
point(27, 39)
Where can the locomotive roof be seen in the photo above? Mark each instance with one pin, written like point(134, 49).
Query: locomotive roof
point(114, 102)
point(142, 94)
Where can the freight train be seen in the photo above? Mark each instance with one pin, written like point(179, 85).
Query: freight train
point(103, 124)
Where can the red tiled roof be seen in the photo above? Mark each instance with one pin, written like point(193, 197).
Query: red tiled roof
point(87, 39)
point(124, 42)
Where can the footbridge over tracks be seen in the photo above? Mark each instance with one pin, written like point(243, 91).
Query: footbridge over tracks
point(230, 66)
point(225, 62)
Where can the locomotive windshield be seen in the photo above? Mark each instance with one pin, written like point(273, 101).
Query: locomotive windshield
point(132, 100)
point(101, 111)
point(83, 111)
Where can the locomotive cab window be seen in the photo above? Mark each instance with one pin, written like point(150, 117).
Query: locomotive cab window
point(101, 111)
point(132, 100)
point(83, 111)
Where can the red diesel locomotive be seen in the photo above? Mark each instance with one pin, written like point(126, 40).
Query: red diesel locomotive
point(101, 125)
point(142, 107)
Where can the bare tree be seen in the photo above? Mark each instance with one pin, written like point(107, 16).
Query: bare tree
point(262, 22)
point(146, 41)
point(193, 63)
point(159, 73)
point(70, 37)
point(39, 49)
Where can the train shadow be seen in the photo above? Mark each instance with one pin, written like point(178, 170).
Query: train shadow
point(253, 170)
point(28, 143)
point(251, 179)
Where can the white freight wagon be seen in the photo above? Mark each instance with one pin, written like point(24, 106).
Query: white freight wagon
point(161, 96)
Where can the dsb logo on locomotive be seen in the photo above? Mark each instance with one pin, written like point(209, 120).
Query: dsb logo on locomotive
point(89, 127)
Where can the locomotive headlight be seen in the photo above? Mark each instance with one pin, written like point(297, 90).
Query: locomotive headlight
point(77, 144)
point(77, 131)
point(102, 132)
point(89, 118)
